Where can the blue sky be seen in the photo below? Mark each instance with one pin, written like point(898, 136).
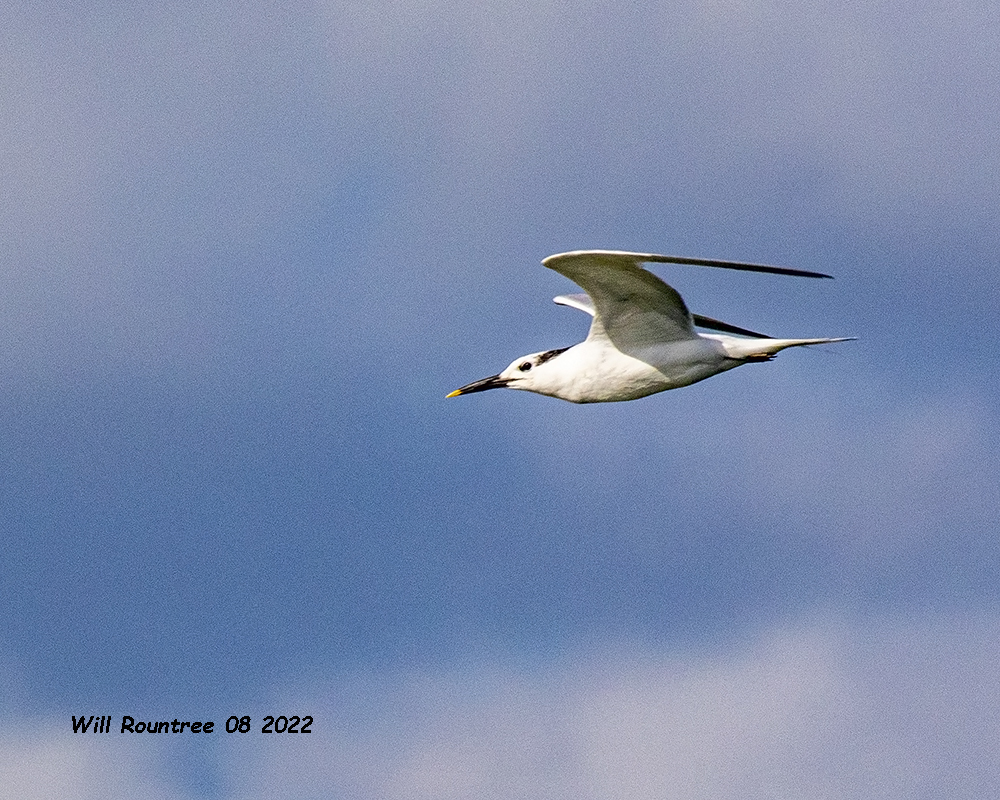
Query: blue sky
point(246, 253)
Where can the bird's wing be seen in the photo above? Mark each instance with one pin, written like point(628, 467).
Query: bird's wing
point(724, 327)
point(582, 302)
point(634, 308)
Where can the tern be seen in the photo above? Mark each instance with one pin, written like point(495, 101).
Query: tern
point(642, 338)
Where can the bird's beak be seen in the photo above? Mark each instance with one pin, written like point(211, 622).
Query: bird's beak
point(492, 382)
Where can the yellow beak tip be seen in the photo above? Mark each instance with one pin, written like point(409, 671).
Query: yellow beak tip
point(455, 393)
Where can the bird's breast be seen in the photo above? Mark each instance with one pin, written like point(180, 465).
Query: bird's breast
point(602, 374)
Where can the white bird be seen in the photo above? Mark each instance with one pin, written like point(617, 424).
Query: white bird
point(642, 338)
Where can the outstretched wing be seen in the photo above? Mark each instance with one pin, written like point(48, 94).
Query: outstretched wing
point(632, 307)
point(582, 302)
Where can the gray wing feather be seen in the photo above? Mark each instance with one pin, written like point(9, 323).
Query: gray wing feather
point(640, 258)
point(634, 309)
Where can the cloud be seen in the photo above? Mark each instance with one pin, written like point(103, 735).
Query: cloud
point(887, 105)
point(286, 191)
point(836, 138)
point(821, 709)
point(152, 162)
point(839, 457)
point(173, 175)
point(41, 761)
point(824, 707)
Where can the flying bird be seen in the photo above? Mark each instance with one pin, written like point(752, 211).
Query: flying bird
point(642, 338)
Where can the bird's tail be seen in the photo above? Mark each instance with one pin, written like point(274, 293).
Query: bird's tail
point(765, 349)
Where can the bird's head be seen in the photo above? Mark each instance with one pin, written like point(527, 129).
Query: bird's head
point(530, 373)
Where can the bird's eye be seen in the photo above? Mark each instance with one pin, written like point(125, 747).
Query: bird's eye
point(525, 366)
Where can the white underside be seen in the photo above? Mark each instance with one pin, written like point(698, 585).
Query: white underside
point(595, 371)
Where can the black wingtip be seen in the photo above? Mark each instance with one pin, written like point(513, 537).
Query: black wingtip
point(739, 265)
point(553, 262)
point(725, 327)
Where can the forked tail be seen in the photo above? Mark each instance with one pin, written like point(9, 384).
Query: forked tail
point(766, 349)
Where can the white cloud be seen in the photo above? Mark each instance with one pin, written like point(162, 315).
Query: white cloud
point(868, 473)
point(754, 130)
point(823, 710)
point(870, 468)
point(884, 105)
point(44, 761)
point(146, 154)
point(145, 147)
